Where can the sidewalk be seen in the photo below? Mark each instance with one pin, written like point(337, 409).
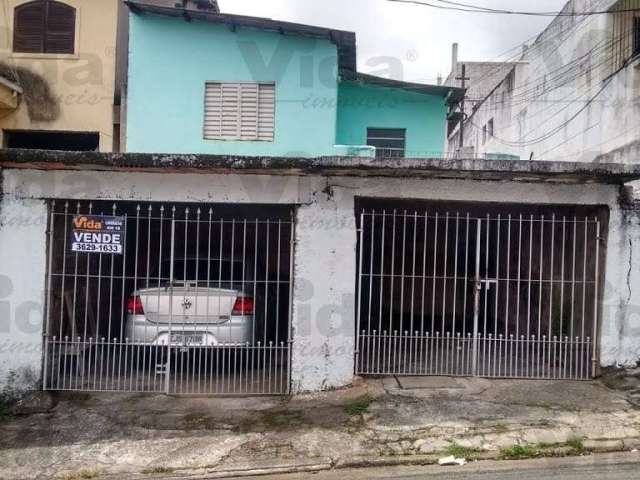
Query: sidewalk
point(378, 422)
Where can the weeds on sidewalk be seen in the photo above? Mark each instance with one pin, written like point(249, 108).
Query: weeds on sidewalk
point(573, 447)
point(5, 410)
point(520, 452)
point(81, 475)
point(459, 451)
point(157, 470)
point(359, 405)
point(577, 445)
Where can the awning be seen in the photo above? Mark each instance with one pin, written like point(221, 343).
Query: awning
point(9, 94)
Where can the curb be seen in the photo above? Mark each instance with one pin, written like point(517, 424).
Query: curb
point(202, 473)
point(591, 447)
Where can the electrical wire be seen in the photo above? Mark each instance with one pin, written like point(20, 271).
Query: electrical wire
point(534, 84)
point(561, 80)
point(542, 49)
point(582, 73)
point(461, 7)
point(553, 131)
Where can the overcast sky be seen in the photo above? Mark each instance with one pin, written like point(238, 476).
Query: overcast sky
point(420, 37)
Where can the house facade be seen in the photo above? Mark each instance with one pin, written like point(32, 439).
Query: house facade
point(224, 84)
point(341, 257)
point(309, 233)
point(58, 72)
point(572, 96)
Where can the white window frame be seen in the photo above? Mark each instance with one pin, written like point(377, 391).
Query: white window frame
point(239, 111)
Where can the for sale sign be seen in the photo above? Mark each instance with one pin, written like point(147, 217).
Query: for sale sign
point(97, 233)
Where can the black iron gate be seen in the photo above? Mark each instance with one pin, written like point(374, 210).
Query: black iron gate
point(193, 299)
point(494, 295)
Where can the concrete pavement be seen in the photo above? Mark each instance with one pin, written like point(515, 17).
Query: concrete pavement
point(380, 422)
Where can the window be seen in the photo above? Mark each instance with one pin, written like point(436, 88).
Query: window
point(490, 128)
point(239, 111)
point(46, 140)
point(510, 80)
point(44, 26)
point(624, 34)
point(389, 142)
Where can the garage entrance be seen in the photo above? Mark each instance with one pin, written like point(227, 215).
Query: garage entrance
point(175, 298)
point(478, 289)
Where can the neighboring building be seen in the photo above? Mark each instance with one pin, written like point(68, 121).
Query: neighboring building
point(57, 74)
point(573, 96)
point(481, 78)
point(228, 84)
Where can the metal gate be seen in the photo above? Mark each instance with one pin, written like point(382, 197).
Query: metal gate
point(494, 295)
point(194, 300)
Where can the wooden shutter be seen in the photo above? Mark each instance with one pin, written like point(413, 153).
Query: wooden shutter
point(266, 112)
point(249, 111)
point(44, 26)
point(230, 111)
point(239, 111)
point(28, 27)
point(60, 31)
point(213, 111)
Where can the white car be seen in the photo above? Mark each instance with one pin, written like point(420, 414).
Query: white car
point(206, 304)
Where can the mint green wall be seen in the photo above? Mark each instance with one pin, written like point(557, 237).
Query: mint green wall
point(171, 59)
point(361, 106)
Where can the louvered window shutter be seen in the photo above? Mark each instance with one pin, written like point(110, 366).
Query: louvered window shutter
point(60, 28)
point(28, 27)
point(239, 111)
point(44, 26)
point(266, 112)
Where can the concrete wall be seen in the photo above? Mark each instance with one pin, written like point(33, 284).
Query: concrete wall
point(170, 60)
point(22, 237)
point(83, 83)
point(621, 329)
point(325, 265)
point(423, 116)
point(563, 104)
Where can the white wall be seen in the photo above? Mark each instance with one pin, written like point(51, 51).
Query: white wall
point(564, 104)
point(325, 265)
point(22, 290)
point(620, 334)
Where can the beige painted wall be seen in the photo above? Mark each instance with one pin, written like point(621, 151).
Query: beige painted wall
point(83, 82)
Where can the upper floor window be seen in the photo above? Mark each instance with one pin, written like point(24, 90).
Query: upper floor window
point(389, 142)
point(625, 34)
point(242, 111)
point(44, 26)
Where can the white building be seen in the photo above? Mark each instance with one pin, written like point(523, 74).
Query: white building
point(574, 94)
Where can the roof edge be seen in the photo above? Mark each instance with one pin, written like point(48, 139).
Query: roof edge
point(518, 170)
point(343, 39)
point(424, 88)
